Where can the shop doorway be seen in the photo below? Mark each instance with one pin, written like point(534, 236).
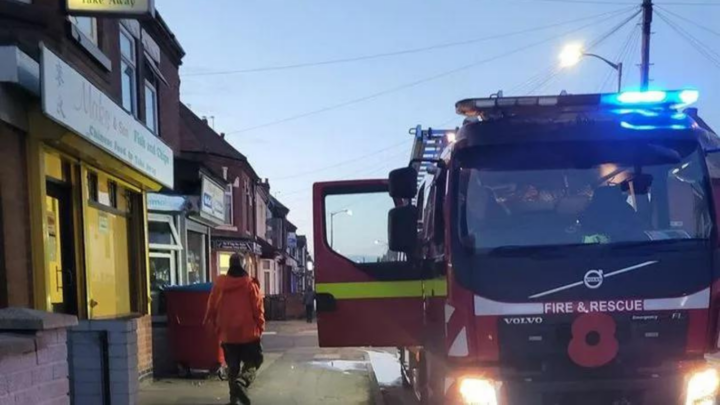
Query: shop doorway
point(60, 252)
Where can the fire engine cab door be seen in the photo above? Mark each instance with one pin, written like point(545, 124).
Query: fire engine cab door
point(365, 294)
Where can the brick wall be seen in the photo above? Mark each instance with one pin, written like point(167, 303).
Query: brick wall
point(37, 374)
point(15, 271)
point(145, 347)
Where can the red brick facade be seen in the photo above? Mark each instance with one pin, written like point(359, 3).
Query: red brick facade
point(15, 221)
point(145, 347)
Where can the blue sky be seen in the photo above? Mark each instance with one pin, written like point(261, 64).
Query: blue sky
point(231, 35)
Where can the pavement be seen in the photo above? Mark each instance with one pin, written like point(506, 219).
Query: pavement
point(297, 372)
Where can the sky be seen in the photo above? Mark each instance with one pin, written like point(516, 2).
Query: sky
point(331, 121)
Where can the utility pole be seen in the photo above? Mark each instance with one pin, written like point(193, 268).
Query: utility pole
point(646, 34)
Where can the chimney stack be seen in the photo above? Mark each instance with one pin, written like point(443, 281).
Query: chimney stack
point(222, 135)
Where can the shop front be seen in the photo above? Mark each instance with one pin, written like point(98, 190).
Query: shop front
point(90, 166)
point(223, 248)
point(179, 232)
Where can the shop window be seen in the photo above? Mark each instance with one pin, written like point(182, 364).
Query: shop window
point(224, 262)
point(87, 26)
point(93, 191)
point(229, 205)
point(56, 168)
point(128, 71)
point(112, 194)
point(151, 107)
point(196, 258)
point(162, 233)
point(162, 270)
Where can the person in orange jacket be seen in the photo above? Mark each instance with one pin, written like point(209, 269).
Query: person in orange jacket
point(235, 311)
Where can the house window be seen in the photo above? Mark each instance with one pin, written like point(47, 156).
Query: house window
point(229, 204)
point(86, 25)
point(266, 264)
point(151, 107)
point(128, 70)
point(266, 283)
point(248, 207)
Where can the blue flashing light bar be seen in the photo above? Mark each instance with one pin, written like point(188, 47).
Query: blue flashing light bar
point(646, 103)
point(652, 98)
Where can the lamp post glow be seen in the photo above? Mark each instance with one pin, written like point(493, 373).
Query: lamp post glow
point(573, 53)
point(332, 223)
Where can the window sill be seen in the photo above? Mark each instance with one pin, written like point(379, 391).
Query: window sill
point(90, 48)
point(227, 228)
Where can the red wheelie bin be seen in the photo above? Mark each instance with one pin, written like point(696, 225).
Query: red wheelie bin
point(194, 346)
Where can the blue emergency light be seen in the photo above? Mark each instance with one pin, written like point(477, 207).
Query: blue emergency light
point(647, 104)
point(652, 98)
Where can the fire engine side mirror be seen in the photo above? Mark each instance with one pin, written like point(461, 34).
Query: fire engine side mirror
point(403, 183)
point(403, 229)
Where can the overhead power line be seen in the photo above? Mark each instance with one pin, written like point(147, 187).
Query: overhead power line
point(690, 3)
point(366, 171)
point(420, 81)
point(706, 51)
point(400, 52)
point(345, 162)
point(695, 24)
point(582, 2)
point(623, 54)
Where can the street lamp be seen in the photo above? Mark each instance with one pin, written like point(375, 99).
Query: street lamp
point(572, 54)
point(332, 223)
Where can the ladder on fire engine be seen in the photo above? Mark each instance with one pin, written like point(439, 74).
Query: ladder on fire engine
point(427, 148)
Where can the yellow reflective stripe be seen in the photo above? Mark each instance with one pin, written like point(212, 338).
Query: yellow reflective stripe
point(383, 289)
point(436, 287)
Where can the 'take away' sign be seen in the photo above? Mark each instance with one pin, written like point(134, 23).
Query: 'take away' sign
point(132, 8)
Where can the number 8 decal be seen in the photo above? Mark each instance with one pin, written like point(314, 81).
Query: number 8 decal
point(593, 342)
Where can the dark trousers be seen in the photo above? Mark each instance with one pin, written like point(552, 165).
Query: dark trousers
point(309, 309)
point(243, 361)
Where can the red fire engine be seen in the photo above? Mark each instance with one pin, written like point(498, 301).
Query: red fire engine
point(553, 250)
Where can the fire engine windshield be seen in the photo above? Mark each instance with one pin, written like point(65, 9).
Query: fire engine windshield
point(582, 193)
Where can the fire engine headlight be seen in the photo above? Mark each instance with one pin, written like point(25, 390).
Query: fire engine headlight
point(478, 391)
point(702, 387)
